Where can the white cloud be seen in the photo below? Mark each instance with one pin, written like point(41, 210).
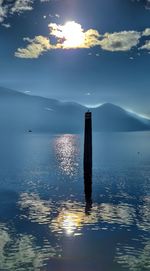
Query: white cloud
point(3, 11)
point(147, 6)
point(6, 25)
point(71, 35)
point(11, 7)
point(35, 48)
point(146, 46)
point(67, 38)
point(16, 7)
point(21, 6)
point(145, 3)
point(146, 32)
point(120, 41)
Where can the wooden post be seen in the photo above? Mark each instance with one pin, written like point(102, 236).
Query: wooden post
point(88, 158)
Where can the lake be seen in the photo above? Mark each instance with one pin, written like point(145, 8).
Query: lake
point(44, 221)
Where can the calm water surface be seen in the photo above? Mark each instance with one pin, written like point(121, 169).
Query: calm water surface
point(44, 223)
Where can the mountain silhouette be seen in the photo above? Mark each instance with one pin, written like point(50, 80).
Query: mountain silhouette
point(23, 112)
point(110, 117)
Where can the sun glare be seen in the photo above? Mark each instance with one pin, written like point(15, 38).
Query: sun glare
point(73, 35)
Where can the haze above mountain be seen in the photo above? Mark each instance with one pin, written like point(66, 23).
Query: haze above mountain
point(23, 112)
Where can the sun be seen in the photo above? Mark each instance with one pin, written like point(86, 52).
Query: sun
point(73, 35)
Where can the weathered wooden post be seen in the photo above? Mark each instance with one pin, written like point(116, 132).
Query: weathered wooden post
point(88, 158)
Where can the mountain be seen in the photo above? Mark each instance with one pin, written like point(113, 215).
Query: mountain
point(23, 112)
point(110, 117)
point(19, 111)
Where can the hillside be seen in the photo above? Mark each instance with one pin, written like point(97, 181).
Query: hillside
point(21, 112)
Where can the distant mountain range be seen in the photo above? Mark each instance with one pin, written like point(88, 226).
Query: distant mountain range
point(23, 112)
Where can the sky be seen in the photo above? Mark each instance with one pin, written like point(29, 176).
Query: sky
point(88, 51)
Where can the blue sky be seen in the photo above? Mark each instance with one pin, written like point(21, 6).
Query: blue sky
point(109, 63)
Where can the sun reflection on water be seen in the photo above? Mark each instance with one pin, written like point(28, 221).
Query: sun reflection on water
point(67, 153)
point(70, 223)
point(70, 217)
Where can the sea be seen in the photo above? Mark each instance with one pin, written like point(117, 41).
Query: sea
point(45, 221)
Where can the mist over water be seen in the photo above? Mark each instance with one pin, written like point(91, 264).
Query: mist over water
point(43, 220)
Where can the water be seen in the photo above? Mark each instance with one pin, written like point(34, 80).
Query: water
point(44, 222)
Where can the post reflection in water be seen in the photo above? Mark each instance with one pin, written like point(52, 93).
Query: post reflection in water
point(88, 191)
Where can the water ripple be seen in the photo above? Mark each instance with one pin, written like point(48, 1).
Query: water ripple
point(70, 216)
point(19, 252)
